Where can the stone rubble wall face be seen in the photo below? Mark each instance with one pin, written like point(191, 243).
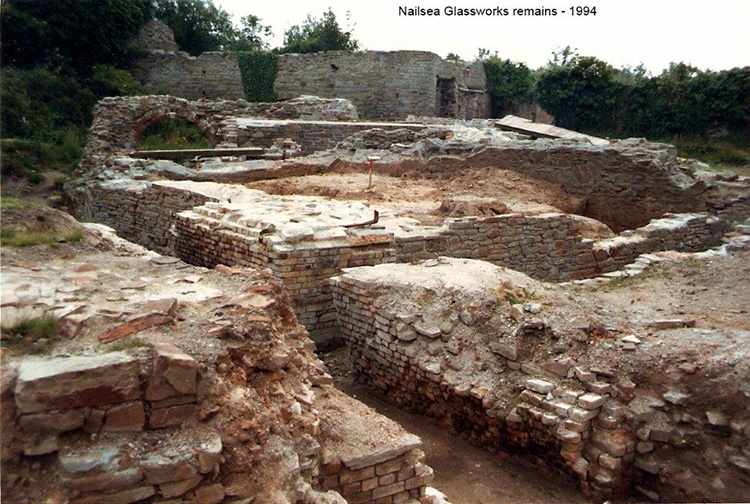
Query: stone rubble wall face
point(119, 121)
point(383, 85)
point(546, 247)
point(695, 233)
point(624, 185)
point(209, 76)
point(311, 137)
point(587, 426)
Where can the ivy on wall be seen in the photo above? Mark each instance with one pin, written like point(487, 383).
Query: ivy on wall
point(258, 71)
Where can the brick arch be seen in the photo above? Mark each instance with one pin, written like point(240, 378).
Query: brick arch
point(160, 114)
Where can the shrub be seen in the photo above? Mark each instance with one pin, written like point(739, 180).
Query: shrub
point(174, 134)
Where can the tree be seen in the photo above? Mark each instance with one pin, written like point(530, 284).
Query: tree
point(198, 25)
point(454, 58)
point(563, 57)
point(251, 35)
point(73, 35)
point(581, 94)
point(316, 35)
point(509, 84)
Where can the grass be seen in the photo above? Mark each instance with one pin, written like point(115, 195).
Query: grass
point(174, 134)
point(34, 335)
point(126, 344)
point(730, 153)
point(29, 158)
point(9, 238)
point(7, 203)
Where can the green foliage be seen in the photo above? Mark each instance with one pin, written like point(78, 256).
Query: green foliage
point(733, 150)
point(31, 335)
point(317, 35)
point(453, 57)
point(564, 57)
point(198, 25)
point(71, 34)
point(8, 203)
point(10, 238)
point(110, 81)
point(258, 71)
point(250, 36)
point(509, 84)
point(581, 95)
point(35, 178)
point(174, 134)
point(20, 157)
point(130, 343)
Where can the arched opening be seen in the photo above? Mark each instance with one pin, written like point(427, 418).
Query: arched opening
point(171, 133)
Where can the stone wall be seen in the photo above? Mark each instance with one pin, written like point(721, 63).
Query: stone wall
point(311, 136)
point(119, 122)
point(142, 212)
point(439, 339)
point(197, 222)
point(209, 76)
point(683, 232)
point(386, 85)
point(383, 85)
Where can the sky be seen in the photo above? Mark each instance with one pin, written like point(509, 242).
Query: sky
point(709, 34)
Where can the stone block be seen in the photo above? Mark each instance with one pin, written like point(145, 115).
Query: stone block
point(125, 417)
point(210, 494)
point(539, 386)
point(173, 416)
point(53, 422)
point(591, 401)
point(175, 373)
point(160, 470)
point(105, 481)
point(123, 497)
point(209, 454)
point(179, 487)
point(73, 382)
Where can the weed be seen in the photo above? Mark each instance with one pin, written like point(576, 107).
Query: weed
point(58, 183)
point(10, 238)
point(35, 178)
point(33, 335)
point(7, 203)
point(174, 134)
point(127, 344)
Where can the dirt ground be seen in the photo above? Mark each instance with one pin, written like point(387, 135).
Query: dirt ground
point(421, 198)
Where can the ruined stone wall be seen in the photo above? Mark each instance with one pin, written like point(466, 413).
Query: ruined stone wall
point(546, 246)
point(141, 212)
point(311, 136)
point(383, 85)
point(484, 367)
point(194, 225)
point(119, 122)
point(393, 481)
point(304, 269)
point(210, 75)
point(683, 232)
